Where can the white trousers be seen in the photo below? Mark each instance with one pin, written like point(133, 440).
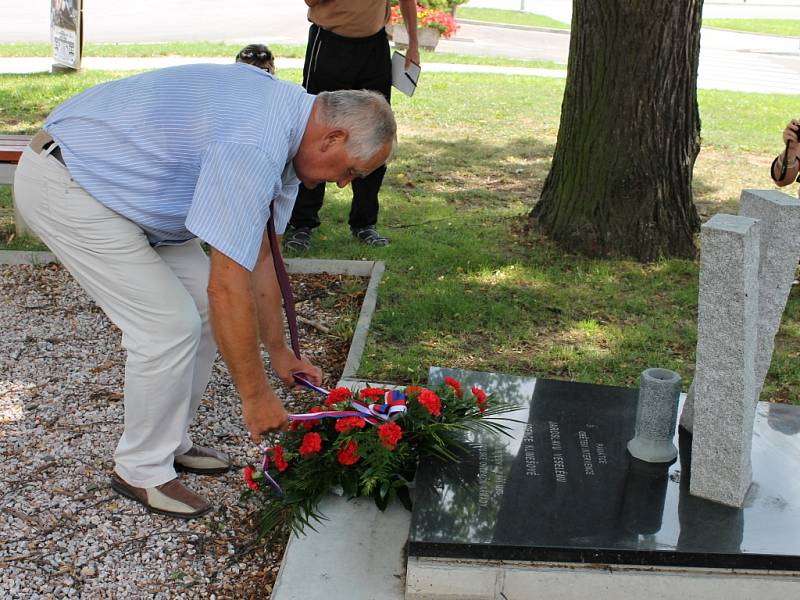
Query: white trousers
point(156, 296)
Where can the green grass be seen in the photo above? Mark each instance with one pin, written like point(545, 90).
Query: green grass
point(509, 17)
point(213, 49)
point(783, 27)
point(467, 284)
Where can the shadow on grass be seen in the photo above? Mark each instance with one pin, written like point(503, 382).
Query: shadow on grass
point(470, 172)
point(707, 197)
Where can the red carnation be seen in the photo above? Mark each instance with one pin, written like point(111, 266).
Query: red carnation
point(312, 443)
point(277, 457)
point(348, 454)
point(347, 423)
point(340, 394)
point(412, 389)
point(455, 385)
point(480, 397)
point(431, 401)
point(372, 393)
point(247, 473)
point(390, 434)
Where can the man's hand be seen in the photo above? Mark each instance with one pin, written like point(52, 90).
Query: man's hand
point(264, 415)
point(792, 135)
point(412, 56)
point(285, 364)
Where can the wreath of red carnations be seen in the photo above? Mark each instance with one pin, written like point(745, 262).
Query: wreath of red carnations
point(365, 443)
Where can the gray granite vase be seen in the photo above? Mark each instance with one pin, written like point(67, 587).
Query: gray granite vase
point(656, 416)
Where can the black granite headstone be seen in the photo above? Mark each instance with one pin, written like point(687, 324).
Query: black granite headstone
point(562, 487)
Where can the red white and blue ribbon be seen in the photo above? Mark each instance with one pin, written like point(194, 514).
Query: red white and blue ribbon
point(265, 469)
point(392, 408)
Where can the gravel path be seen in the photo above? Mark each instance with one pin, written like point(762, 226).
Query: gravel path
point(63, 531)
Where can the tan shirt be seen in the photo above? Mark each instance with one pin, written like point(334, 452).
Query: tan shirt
point(350, 18)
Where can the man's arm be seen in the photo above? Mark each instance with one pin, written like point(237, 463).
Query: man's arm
point(791, 136)
point(270, 320)
point(408, 8)
point(234, 320)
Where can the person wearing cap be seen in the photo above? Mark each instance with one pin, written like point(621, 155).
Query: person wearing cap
point(124, 182)
point(348, 50)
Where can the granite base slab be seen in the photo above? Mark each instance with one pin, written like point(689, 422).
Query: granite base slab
point(563, 488)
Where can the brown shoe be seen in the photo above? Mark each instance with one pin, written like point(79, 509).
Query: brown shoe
point(172, 498)
point(203, 461)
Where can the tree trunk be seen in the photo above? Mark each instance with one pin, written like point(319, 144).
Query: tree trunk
point(621, 178)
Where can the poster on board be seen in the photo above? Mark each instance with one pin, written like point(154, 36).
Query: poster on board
point(66, 32)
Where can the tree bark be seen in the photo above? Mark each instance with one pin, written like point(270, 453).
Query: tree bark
point(621, 178)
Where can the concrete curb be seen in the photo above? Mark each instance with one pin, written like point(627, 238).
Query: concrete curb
point(512, 26)
point(768, 35)
point(26, 257)
point(372, 269)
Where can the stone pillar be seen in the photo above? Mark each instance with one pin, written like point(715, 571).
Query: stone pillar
point(779, 214)
point(724, 384)
point(687, 414)
point(779, 253)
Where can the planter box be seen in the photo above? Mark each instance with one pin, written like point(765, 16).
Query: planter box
point(427, 37)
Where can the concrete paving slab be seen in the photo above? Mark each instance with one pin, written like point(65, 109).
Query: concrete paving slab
point(357, 554)
point(432, 579)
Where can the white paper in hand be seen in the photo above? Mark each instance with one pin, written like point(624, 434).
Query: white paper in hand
point(404, 80)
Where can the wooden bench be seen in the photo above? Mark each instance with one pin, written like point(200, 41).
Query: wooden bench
point(11, 147)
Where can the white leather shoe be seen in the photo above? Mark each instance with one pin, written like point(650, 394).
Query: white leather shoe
point(203, 461)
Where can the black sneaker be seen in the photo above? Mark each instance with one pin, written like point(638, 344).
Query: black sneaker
point(298, 239)
point(369, 236)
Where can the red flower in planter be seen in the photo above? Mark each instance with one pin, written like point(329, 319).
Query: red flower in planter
point(348, 454)
point(247, 473)
point(337, 395)
point(277, 457)
point(372, 394)
point(346, 424)
point(441, 21)
point(390, 434)
point(455, 385)
point(312, 443)
point(431, 401)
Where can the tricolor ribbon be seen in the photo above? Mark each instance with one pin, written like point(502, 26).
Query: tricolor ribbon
point(265, 469)
point(392, 408)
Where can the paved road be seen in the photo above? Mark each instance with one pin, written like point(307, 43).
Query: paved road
point(732, 61)
point(561, 10)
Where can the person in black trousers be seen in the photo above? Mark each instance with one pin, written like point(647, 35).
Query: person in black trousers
point(348, 49)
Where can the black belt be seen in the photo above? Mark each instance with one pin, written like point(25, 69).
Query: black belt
point(55, 152)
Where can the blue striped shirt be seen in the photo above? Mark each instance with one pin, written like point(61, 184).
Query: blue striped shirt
point(189, 151)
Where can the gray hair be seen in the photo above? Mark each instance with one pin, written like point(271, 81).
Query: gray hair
point(366, 116)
